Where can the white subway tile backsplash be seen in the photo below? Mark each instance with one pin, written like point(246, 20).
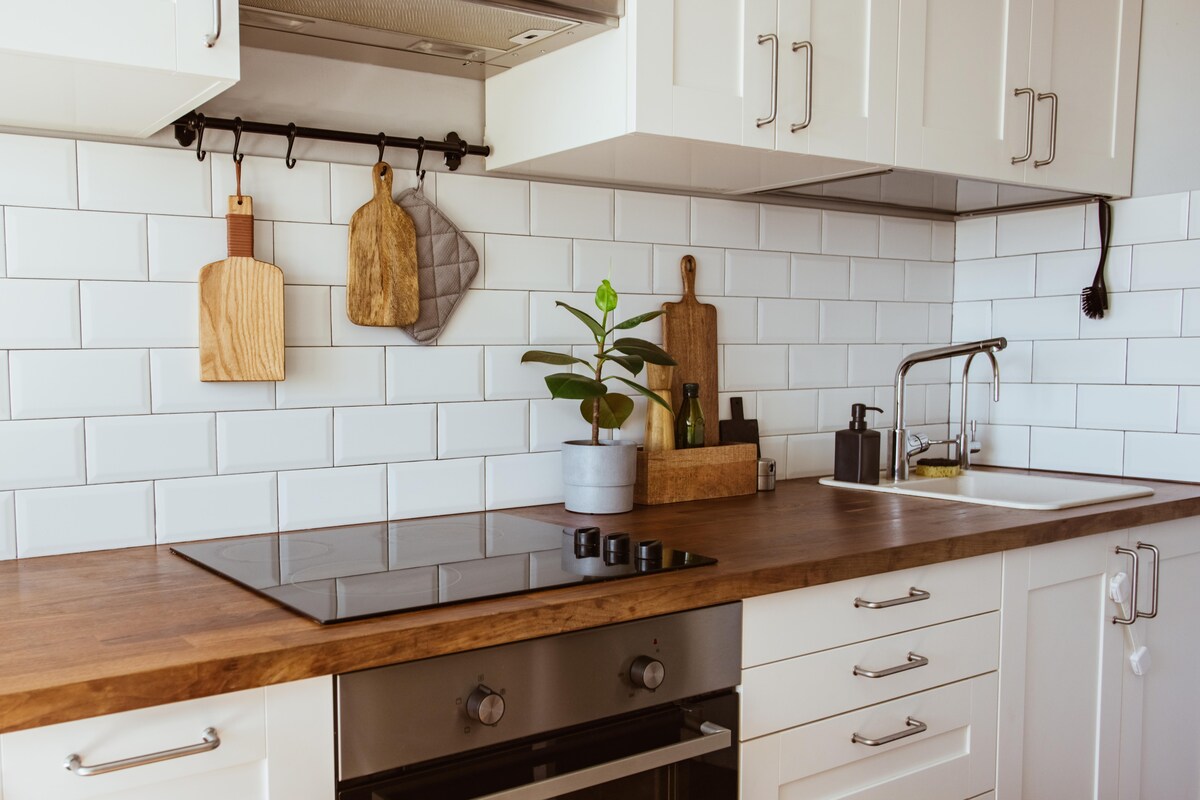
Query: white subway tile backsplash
point(710, 270)
point(261, 441)
point(488, 205)
point(786, 412)
point(941, 323)
point(78, 383)
point(306, 316)
point(528, 262)
point(552, 422)
point(1049, 405)
point(1129, 408)
point(312, 254)
point(993, 278)
point(972, 321)
point(159, 180)
point(1037, 318)
point(1171, 265)
point(937, 403)
point(724, 223)
point(214, 507)
point(483, 429)
point(139, 314)
point(153, 446)
point(793, 230)
point(338, 376)
point(928, 282)
point(975, 238)
point(943, 242)
point(1015, 362)
point(738, 320)
point(84, 518)
point(1001, 445)
point(929, 372)
point(38, 171)
point(629, 266)
point(1191, 312)
point(351, 186)
point(750, 367)
point(833, 409)
point(489, 317)
point(180, 246)
point(1069, 271)
point(808, 455)
point(750, 273)
point(506, 378)
point(583, 212)
point(551, 324)
point(902, 322)
point(749, 404)
point(845, 234)
point(425, 488)
point(4, 410)
point(814, 366)
point(346, 333)
point(1040, 231)
point(1078, 361)
point(318, 498)
point(656, 218)
point(8, 526)
point(876, 279)
point(775, 447)
point(287, 195)
point(43, 243)
point(1174, 362)
point(41, 453)
point(873, 364)
point(1167, 456)
point(1137, 315)
point(848, 322)
point(382, 434)
point(1071, 450)
point(821, 277)
point(529, 479)
point(434, 374)
point(905, 238)
point(785, 321)
point(1161, 218)
point(38, 314)
point(1194, 215)
point(175, 386)
point(1189, 409)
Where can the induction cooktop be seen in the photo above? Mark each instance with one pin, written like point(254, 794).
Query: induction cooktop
point(359, 571)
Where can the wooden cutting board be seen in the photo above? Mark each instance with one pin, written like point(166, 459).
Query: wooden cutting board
point(241, 308)
point(690, 336)
point(737, 428)
point(381, 271)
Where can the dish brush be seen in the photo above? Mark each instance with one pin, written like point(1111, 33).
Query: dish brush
point(1094, 298)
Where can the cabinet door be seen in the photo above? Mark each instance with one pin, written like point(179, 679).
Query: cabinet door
point(195, 22)
point(1060, 672)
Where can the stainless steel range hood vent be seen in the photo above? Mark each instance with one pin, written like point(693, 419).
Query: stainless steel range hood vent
point(465, 38)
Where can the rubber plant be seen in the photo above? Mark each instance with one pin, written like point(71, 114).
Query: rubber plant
point(599, 406)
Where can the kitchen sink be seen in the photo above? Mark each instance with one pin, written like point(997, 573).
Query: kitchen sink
point(1009, 490)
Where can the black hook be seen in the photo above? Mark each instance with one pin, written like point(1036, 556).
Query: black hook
point(200, 154)
point(237, 140)
point(420, 156)
point(291, 137)
point(382, 144)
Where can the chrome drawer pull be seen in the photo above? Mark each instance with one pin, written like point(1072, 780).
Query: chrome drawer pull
point(914, 727)
point(75, 764)
point(914, 595)
point(774, 40)
point(913, 662)
point(1153, 585)
point(210, 39)
point(1133, 587)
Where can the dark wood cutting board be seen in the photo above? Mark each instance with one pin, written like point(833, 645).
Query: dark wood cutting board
point(381, 270)
point(738, 428)
point(690, 336)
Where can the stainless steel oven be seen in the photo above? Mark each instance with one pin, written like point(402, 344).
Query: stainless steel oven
point(643, 710)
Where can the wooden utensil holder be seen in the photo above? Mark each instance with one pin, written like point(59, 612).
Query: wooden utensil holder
point(696, 473)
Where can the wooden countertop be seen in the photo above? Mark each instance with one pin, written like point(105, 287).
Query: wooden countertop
point(95, 633)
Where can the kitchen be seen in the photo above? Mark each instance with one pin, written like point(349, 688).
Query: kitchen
point(110, 446)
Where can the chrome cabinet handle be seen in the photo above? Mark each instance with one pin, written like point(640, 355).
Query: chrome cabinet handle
point(913, 662)
point(808, 61)
point(211, 38)
point(914, 595)
point(1053, 98)
point(75, 764)
point(774, 40)
point(1133, 587)
point(914, 727)
point(1028, 126)
point(1153, 585)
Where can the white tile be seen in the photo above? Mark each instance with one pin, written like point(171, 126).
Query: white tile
point(793, 230)
point(632, 305)
point(176, 387)
point(929, 372)
point(807, 455)
point(943, 241)
point(1015, 362)
point(749, 404)
point(506, 378)
point(288, 195)
point(785, 412)
point(4, 409)
point(1191, 312)
point(1162, 218)
point(1166, 361)
point(215, 507)
point(941, 323)
point(552, 422)
point(902, 323)
point(434, 374)
point(979, 402)
point(737, 319)
point(317, 498)
point(873, 364)
point(84, 518)
point(8, 526)
point(937, 403)
point(975, 238)
point(162, 180)
point(582, 212)
point(1078, 361)
point(972, 321)
point(847, 322)
point(1001, 445)
point(332, 376)
point(994, 278)
point(261, 441)
point(1137, 315)
point(905, 238)
point(44, 243)
point(489, 317)
point(1037, 319)
point(180, 246)
point(38, 171)
point(39, 314)
point(1194, 215)
point(149, 447)
point(1173, 265)
point(751, 367)
point(821, 277)
point(1050, 405)
point(531, 479)
point(139, 314)
point(710, 270)
point(313, 254)
point(750, 273)
point(426, 488)
point(833, 409)
point(345, 332)
point(3, 267)
point(41, 453)
point(1071, 270)
point(849, 234)
point(551, 324)
point(914, 406)
point(1166, 456)
point(1129, 408)
point(483, 429)
point(527, 262)
point(629, 266)
point(787, 321)
point(65, 383)
point(306, 316)
point(816, 366)
point(489, 205)
point(646, 217)
point(1040, 231)
point(351, 186)
point(775, 447)
point(1189, 409)
point(928, 281)
point(724, 223)
point(876, 279)
point(379, 434)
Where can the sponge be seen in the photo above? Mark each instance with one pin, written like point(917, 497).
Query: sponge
point(937, 468)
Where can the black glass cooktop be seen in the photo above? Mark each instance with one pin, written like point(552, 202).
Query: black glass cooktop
point(357, 571)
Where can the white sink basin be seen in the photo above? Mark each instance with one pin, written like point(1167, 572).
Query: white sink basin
point(1005, 489)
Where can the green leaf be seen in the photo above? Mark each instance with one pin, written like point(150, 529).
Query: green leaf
point(632, 363)
point(648, 351)
point(633, 322)
point(572, 386)
point(643, 390)
point(615, 408)
point(595, 327)
point(549, 357)
point(606, 296)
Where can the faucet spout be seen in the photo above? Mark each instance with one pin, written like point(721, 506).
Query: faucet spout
point(964, 439)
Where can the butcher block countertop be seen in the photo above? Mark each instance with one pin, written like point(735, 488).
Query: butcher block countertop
point(95, 633)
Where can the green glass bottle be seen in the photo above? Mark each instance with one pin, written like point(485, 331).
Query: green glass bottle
point(689, 422)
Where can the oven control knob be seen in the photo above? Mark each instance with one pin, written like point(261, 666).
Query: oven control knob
point(485, 706)
point(647, 672)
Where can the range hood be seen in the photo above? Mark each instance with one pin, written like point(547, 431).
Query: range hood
point(463, 38)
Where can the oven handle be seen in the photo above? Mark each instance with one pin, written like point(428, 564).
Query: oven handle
point(712, 737)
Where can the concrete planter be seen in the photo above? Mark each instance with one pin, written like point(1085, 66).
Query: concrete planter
point(599, 480)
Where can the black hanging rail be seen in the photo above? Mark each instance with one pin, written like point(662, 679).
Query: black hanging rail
point(191, 128)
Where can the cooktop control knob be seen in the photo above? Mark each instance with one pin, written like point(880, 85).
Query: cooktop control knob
point(649, 550)
point(616, 549)
point(485, 706)
point(587, 542)
point(647, 672)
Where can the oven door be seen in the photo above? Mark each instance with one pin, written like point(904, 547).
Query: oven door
point(670, 753)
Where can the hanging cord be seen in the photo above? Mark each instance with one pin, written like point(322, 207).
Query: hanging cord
point(420, 158)
point(239, 226)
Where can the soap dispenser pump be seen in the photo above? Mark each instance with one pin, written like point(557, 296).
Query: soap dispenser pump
point(856, 449)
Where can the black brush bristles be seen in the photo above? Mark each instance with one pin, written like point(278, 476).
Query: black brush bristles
point(1094, 299)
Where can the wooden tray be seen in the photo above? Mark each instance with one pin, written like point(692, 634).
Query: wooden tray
point(697, 473)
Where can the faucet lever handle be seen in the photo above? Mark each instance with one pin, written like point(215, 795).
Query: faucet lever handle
point(972, 430)
point(974, 443)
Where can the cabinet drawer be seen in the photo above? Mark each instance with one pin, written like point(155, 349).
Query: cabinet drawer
point(952, 759)
point(34, 759)
point(797, 691)
point(788, 624)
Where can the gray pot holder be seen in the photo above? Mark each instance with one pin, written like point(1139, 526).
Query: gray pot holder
point(446, 265)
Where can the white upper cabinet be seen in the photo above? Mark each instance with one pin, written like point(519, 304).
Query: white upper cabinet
point(125, 67)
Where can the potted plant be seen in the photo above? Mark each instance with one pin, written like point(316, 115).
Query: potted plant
point(598, 476)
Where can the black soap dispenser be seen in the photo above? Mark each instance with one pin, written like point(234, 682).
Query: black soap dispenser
point(856, 449)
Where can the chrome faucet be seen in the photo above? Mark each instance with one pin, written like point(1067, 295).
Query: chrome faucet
point(902, 444)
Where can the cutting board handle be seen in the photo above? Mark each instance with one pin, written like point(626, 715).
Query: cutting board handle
point(736, 412)
point(239, 226)
point(687, 268)
point(381, 173)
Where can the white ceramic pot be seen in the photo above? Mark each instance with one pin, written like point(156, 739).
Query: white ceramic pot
point(599, 479)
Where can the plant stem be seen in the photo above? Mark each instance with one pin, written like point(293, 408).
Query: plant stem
point(596, 401)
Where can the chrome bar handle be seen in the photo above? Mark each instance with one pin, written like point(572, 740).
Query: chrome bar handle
point(808, 61)
point(1153, 584)
point(1133, 587)
point(914, 595)
point(1053, 98)
point(211, 38)
point(774, 40)
point(1028, 126)
point(75, 764)
point(914, 726)
point(913, 662)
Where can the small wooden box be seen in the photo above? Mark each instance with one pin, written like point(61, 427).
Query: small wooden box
point(697, 473)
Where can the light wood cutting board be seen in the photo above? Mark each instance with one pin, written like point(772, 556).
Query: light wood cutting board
point(241, 308)
point(690, 336)
point(381, 270)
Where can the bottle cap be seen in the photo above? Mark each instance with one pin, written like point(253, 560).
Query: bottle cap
point(691, 390)
point(858, 416)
